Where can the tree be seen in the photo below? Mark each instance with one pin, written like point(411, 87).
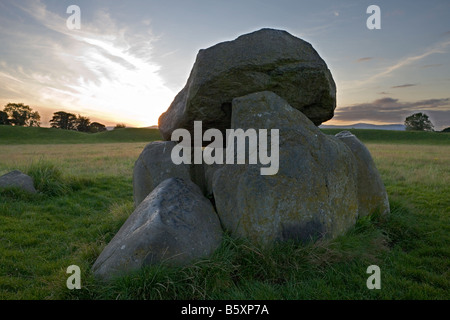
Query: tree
point(419, 122)
point(83, 124)
point(64, 120)
point(120, 126)
point(4, 118)
point(97, 127)
point(446, 129)
point(22, 115)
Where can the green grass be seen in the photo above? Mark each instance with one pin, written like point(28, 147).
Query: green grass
point(41, 235)
point(86, 195)
point(10, 135)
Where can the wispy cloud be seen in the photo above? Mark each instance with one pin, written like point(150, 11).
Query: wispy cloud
point(406, 85)
point(408, 60)
point(389, 70)
point(365, 59)
point(89, 70)
point(431, 65)
point(394, 13)
point(9, 77)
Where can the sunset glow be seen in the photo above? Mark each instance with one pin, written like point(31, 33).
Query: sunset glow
point(127, 62)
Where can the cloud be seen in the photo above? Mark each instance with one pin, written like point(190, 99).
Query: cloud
point(408, 60)
point(316, 30)
point(390, 110)
point(387, 71)
point(365, 59)
point(395, 13)
point(100, 70)
point(431, 65)
point(406, 85)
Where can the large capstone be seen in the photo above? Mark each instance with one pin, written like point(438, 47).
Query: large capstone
point(267, 59)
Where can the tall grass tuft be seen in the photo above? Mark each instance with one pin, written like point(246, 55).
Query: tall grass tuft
point(48, 178)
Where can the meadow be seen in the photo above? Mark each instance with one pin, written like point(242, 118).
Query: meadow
point(85, 184)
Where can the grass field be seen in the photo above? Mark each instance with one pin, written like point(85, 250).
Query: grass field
point(21, 135)
point(86, 195)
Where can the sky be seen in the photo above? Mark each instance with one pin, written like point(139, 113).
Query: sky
point(129, 59)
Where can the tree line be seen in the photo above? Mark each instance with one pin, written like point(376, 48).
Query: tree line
point(420, 122)
point(69, 121)
point(19, 114)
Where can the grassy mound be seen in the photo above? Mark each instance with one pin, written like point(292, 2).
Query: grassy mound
point(33, 135)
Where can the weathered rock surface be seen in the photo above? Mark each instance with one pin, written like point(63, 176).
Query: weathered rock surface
point(314, 194)
point(267, 59)
point(209, 171)
point(17, 179)
point(372, 194)
point(153, 166)
point(175, 224)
